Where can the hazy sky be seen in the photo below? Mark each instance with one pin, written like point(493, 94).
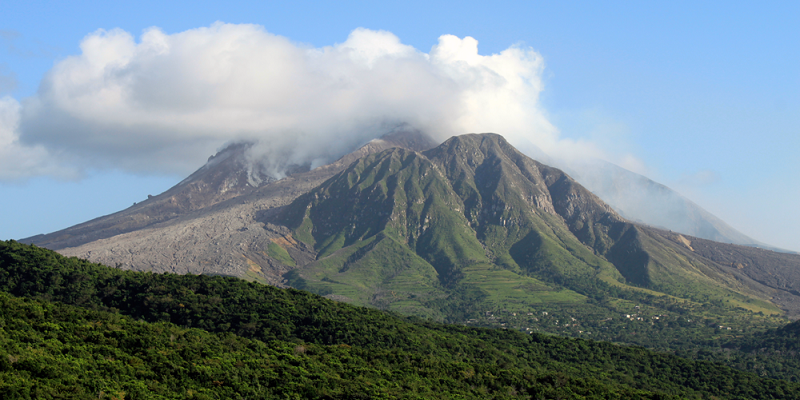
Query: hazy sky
point(102, 105)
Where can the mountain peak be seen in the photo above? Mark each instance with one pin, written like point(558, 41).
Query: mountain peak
point(463, 208)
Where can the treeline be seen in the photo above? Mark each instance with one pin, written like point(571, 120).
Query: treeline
point(774, 353)
point(87, 328)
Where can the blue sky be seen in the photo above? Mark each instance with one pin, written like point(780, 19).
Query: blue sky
point(704, 98)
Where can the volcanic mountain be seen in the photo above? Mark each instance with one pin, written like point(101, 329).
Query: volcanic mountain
point(469, 226)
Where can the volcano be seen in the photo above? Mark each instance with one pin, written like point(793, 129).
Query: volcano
point(406, 225)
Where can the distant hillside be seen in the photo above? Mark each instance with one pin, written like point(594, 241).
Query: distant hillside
point(642, 200)
point(216, 232)
point(94, 341)
point(471, 231)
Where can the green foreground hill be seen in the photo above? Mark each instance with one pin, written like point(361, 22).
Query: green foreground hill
point(72, 329)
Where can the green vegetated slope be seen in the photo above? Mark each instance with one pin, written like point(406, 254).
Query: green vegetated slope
point(72, 329)
point(774, 353)
point(474, 228)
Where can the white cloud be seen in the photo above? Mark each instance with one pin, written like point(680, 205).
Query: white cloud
point(18, 161)
point(166, 102)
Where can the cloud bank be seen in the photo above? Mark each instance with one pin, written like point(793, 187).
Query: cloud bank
point(162, 104)
point(18, 161)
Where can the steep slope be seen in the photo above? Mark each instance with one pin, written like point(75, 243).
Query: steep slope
point(640, 254)
point(219, 226)
point(474, 225)
point(378, 225)
point(772, 275)
point(226, 175)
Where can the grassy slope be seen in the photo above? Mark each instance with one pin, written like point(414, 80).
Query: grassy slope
point(406, 256)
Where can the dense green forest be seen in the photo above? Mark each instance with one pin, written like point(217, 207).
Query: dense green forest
point(73, 329)
point(51, 350)
point(771, 353)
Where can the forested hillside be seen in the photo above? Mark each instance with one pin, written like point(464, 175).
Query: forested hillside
point(75, 329)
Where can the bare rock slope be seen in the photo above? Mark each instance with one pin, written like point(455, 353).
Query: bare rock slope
point(210, 223)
